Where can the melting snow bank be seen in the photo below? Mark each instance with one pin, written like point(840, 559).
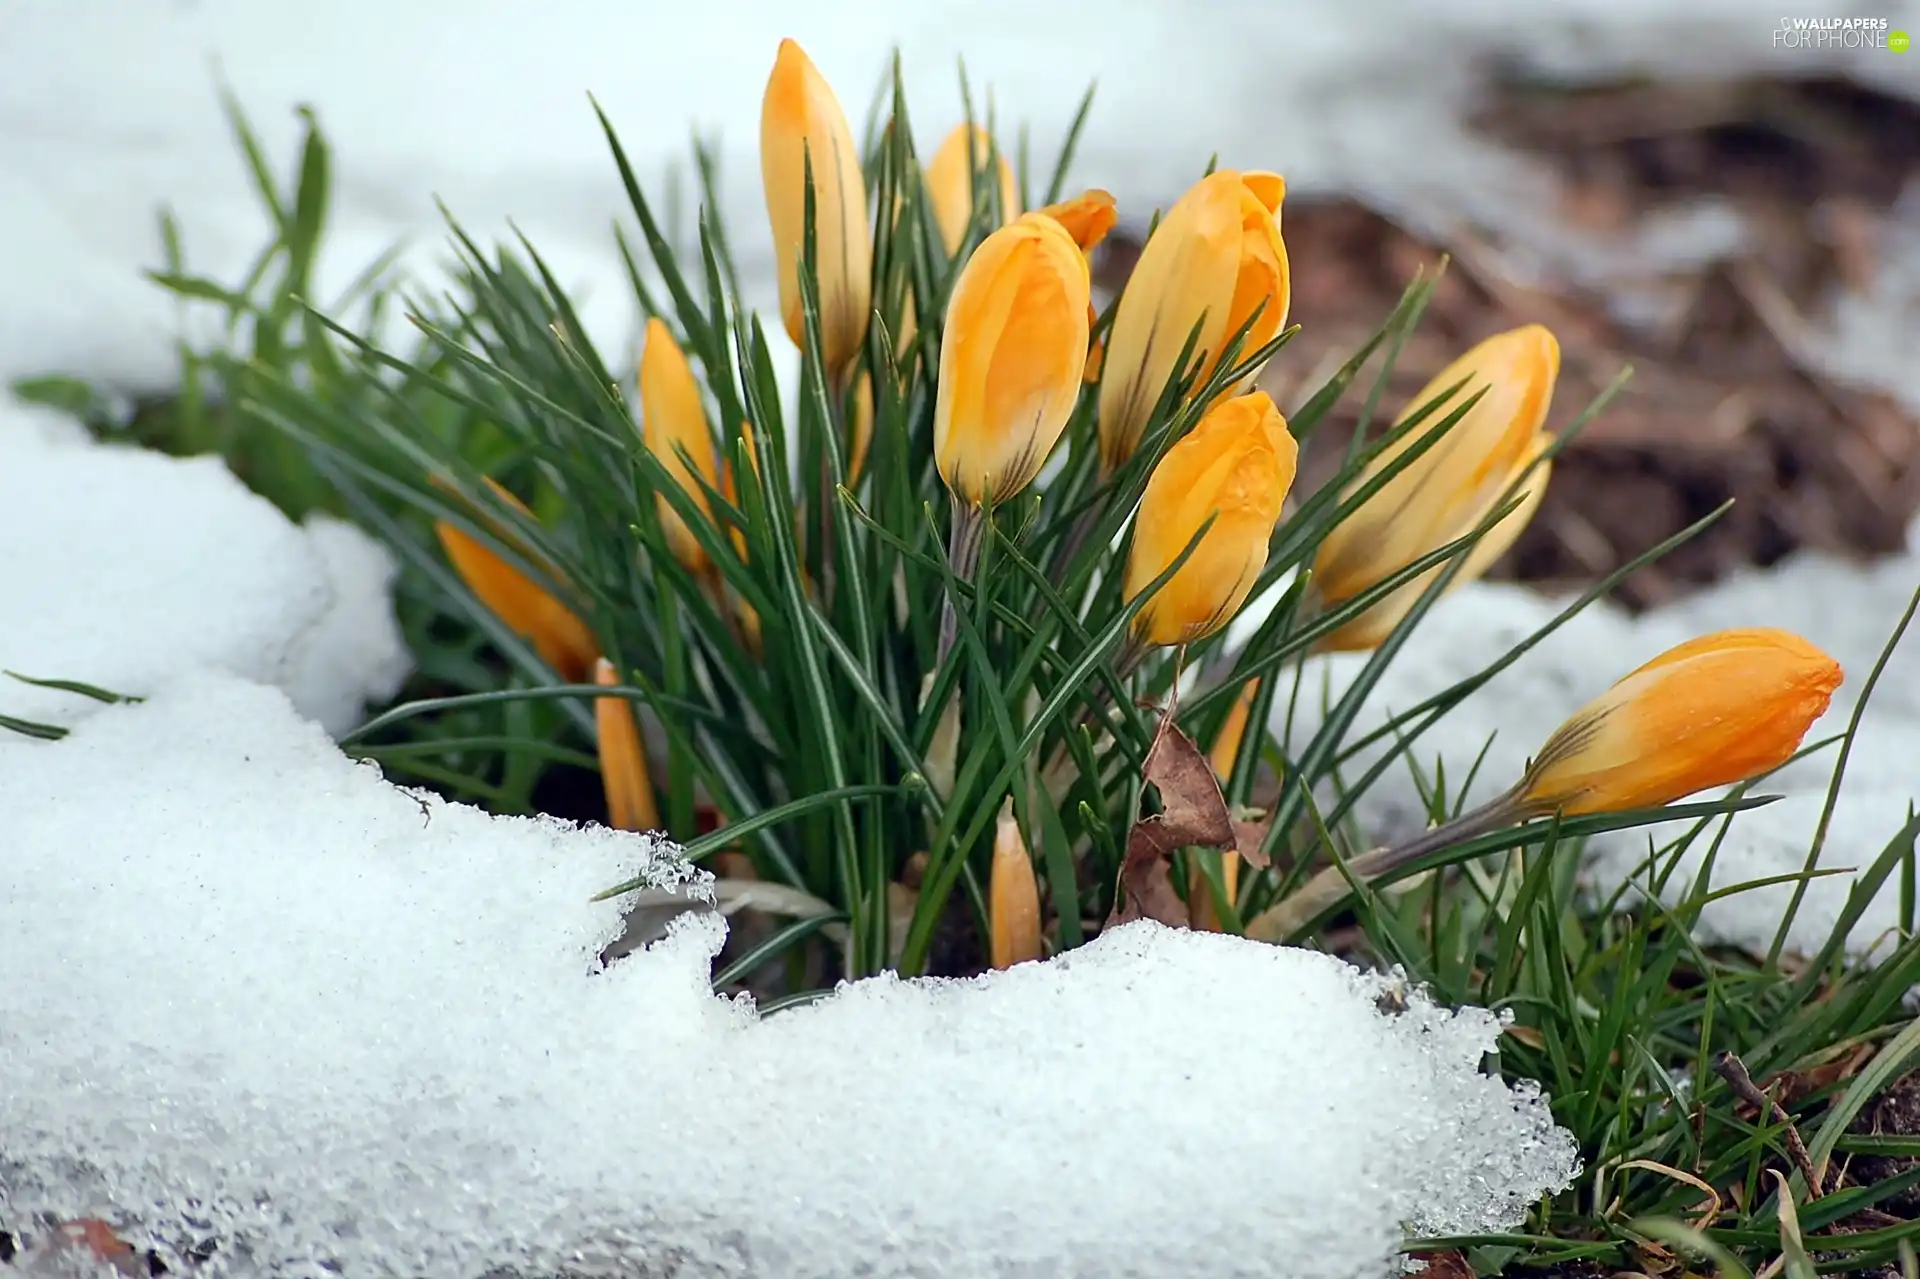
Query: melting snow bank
point(1848, 609)
point(122, 568)
point(253, 993)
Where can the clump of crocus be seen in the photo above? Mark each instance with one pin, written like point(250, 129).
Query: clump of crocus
point(623, 761)
point(1448, 490)
point(1234, 469)
point(950, 177)
point(528, 609)
point(1720, 709)
point(673, 421)
point(801, 124)
point(1013, 899)
point(1716, 710)
point(1213, 262)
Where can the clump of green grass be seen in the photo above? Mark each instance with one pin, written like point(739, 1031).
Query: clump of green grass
point(863, 762)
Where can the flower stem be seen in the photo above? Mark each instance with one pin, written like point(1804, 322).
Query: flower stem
point(963, 556)
point(1331, 884)
point(1076, 539)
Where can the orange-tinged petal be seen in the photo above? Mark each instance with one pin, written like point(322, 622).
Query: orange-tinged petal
point(1234, 468)
point(950, 177)
point(557, 634)
point(1011, 359)
point(800, 122)
point(1226, 747)
point(1215, 259)
point(1264, 286)
point(1270, 189)
point(1713, 711)
point(1087, 217)
point(623, 761)
point(1371, 628)
point(1499, 539)
point(1013, 899)
point(674, 420)
point(1444, 493)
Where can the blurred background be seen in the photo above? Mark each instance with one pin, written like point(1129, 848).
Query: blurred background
point(1716, 193)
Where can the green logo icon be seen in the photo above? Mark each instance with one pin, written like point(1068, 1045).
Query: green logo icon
point(1898, 41)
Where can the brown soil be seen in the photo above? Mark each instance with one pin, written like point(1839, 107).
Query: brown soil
point(1724, 403)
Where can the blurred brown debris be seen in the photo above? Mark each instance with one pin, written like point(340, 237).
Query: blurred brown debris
point(1725, 401)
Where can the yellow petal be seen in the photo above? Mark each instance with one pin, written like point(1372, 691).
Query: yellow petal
point(673, 420)
point(1087, 217)
point(563, 641)
point(950, 180)
point(1215, 260)
point(1226, 747)
point(800, 123)
point(1234, 468)
point(1013, 899)
point(1713, 711)
point(623, 761)
point(1011, 359)
point(1445, 492)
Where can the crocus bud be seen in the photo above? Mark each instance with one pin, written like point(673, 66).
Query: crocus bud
point(1715, 710)
point(1013, 899)
point(623, 762)
point(1214, 259)
point(801, 122)
point(1234, 468)
point(672, 419)
point(950, 180)
point(1449, 489)
point(1011, 358)
point(528, 609)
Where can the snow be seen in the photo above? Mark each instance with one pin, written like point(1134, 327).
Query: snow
point(1849, 609)
point(122, 568)
point(1296, 88)
point(323, 1020)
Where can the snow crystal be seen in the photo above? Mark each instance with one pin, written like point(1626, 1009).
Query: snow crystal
point(327, 1021)
point(122, 567)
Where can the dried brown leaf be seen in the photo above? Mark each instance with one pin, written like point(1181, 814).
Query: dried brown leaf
point(1247, 838)
point(1194, 814)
